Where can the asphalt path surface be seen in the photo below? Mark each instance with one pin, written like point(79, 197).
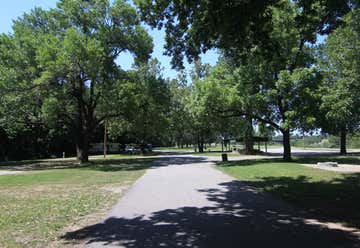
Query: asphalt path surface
point(183, 201)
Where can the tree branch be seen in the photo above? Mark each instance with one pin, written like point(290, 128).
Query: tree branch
point(109, 116)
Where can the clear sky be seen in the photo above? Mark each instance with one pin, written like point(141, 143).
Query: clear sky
point(11, 9)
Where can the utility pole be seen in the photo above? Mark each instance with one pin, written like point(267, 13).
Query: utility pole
point(105, 138)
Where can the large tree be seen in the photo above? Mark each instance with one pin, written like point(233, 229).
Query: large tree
point(228, 93)
point(147, 121)
point(202, 123)
point(68, 59)
point(278, 31)
point(340, 63)
point(179, 118)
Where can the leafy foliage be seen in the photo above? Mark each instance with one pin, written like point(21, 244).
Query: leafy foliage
point(147, 122)
point(193, 27)
point(341, 67)
point(66, 69)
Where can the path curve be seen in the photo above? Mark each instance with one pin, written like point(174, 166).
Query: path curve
point(184, 202)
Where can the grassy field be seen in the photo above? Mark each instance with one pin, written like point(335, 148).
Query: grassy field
point(40, 204)
point(329, 196)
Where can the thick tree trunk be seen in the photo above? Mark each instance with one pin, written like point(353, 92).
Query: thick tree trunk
point(200, 144)
point(82, 147)
point(85, 118)
point(248, 138)
point(343, 141)
point(3, 145)
point(142, 149)
point(201, 147)
point(286, 144)
point(85, 126)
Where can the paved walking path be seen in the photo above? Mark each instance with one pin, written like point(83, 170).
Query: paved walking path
point(184, 202)
point(3, 172)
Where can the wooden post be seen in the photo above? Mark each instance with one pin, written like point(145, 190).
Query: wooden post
point(105, 139)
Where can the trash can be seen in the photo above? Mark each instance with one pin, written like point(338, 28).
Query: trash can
point(224, 157)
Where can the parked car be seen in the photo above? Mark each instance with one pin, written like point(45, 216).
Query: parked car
point(132, 149)
point(138, 148)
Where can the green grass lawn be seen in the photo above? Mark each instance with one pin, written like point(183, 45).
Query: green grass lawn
point(329, 196)
point(38, 205)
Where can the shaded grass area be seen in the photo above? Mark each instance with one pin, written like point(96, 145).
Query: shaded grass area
point(325, 195)
point(37, 206)
point(60, 163)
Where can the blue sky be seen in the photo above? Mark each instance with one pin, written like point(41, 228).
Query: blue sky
point(12, 9)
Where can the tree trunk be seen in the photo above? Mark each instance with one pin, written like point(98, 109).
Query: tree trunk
point(82, 147)
point(286, 144)
point(142, 149)
point(200, 144)
point(84, 129)
point(201, 147)
point(248, 138)
point(343, 141)
point(105, 140)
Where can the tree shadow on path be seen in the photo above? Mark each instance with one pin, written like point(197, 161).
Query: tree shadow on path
point(236, 216)
point(179, 160)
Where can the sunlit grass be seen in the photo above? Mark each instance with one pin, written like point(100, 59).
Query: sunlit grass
point(37, 206)
point(327, 195)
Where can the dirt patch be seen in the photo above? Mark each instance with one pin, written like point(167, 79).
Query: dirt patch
point(91, 219)
point(117, 189)
point(85, 221)
point(54, 190)
point(41, 164)
point(344, 168)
